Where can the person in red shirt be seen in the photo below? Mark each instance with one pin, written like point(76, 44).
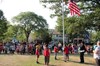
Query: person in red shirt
point(37, 52)
point(55, 51)
point(18, 48)
point(46, 54)
point(70, 48)
point(66, 53)
point(30, 47)
point(1, 47)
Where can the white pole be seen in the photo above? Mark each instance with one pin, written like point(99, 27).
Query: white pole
point(63, 22)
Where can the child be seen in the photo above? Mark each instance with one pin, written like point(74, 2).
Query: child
point(66, 53)
point(55, 51)
point(37, 52)
point(1, 47)
point(30, 47)
point(18, 48)
point(46, 53)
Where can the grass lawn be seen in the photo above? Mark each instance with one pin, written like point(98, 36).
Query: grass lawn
point(29, 60)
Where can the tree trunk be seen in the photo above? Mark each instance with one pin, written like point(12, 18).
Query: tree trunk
point(27, 36)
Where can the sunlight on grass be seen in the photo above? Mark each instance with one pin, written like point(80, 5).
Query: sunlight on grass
point(30, 60)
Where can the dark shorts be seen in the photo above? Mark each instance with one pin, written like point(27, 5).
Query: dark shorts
point(97, 62)
point(46, 59)
point(66, 55)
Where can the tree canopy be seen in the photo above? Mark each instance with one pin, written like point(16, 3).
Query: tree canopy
point(89, 19)
point(29, 21)
point(3, 25)
point(86, 6)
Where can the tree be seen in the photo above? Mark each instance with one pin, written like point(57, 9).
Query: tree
point(11, 31)
point(75, 26)
point(14, 31)
point(43, 35)
point(29, 21)
point(86, 6)
point(89, 19)
point(3, 25)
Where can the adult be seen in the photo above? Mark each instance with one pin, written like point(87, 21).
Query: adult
point(97, 54)
point(82, 51)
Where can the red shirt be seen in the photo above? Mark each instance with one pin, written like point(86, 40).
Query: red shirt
point(46, 52)
point(66, 51)
point(1, 47)
point(55, 49)
point(30, 47)
point(37, 52)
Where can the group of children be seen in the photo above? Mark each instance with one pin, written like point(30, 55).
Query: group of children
point(65, 52)
point(46, 53)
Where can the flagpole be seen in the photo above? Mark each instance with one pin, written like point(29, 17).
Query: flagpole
point(63, 22)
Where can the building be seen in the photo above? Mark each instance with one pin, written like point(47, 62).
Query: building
point(57, 36)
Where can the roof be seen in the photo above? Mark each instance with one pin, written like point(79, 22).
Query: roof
point(54, 31)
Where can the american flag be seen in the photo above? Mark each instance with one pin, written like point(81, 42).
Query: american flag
point(73, 8)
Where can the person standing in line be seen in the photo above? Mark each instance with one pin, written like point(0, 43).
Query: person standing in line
point(66, 53)
point(46, 54)
point(60, 46)
point(18, 48)
point(55, 51)
point(82, 51)
point(1, 47)
point(94, 46)
point(70, 48)
point(37, 52)
point(97, 54)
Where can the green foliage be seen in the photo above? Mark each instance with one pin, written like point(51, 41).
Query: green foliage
point(42, 35)
point(11, 31)
point(29, 21)
point(89, 19)
point(14, 31)
point(3, 25)
point(85, 6)
point(74, 26)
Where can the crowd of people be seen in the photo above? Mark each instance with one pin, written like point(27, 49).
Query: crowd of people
point(38, 49)
point(19, 48)
point(30, 48)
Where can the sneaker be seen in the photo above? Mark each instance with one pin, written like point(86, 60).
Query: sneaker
point(81, 62)
point(64, 61)
point(37, 62)
point(55, 58)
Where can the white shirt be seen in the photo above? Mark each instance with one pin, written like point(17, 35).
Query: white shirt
point(97, 55)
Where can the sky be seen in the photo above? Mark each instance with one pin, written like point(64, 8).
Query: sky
point(12, 8)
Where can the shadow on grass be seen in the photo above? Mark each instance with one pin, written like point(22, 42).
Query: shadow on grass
point(59, 59)
point(44, 64)
point(52, 65)
point(40, 63)
point(3, 54)
point(89, 63)
point(73, 61)
point(85, 55)
point(81, 63)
